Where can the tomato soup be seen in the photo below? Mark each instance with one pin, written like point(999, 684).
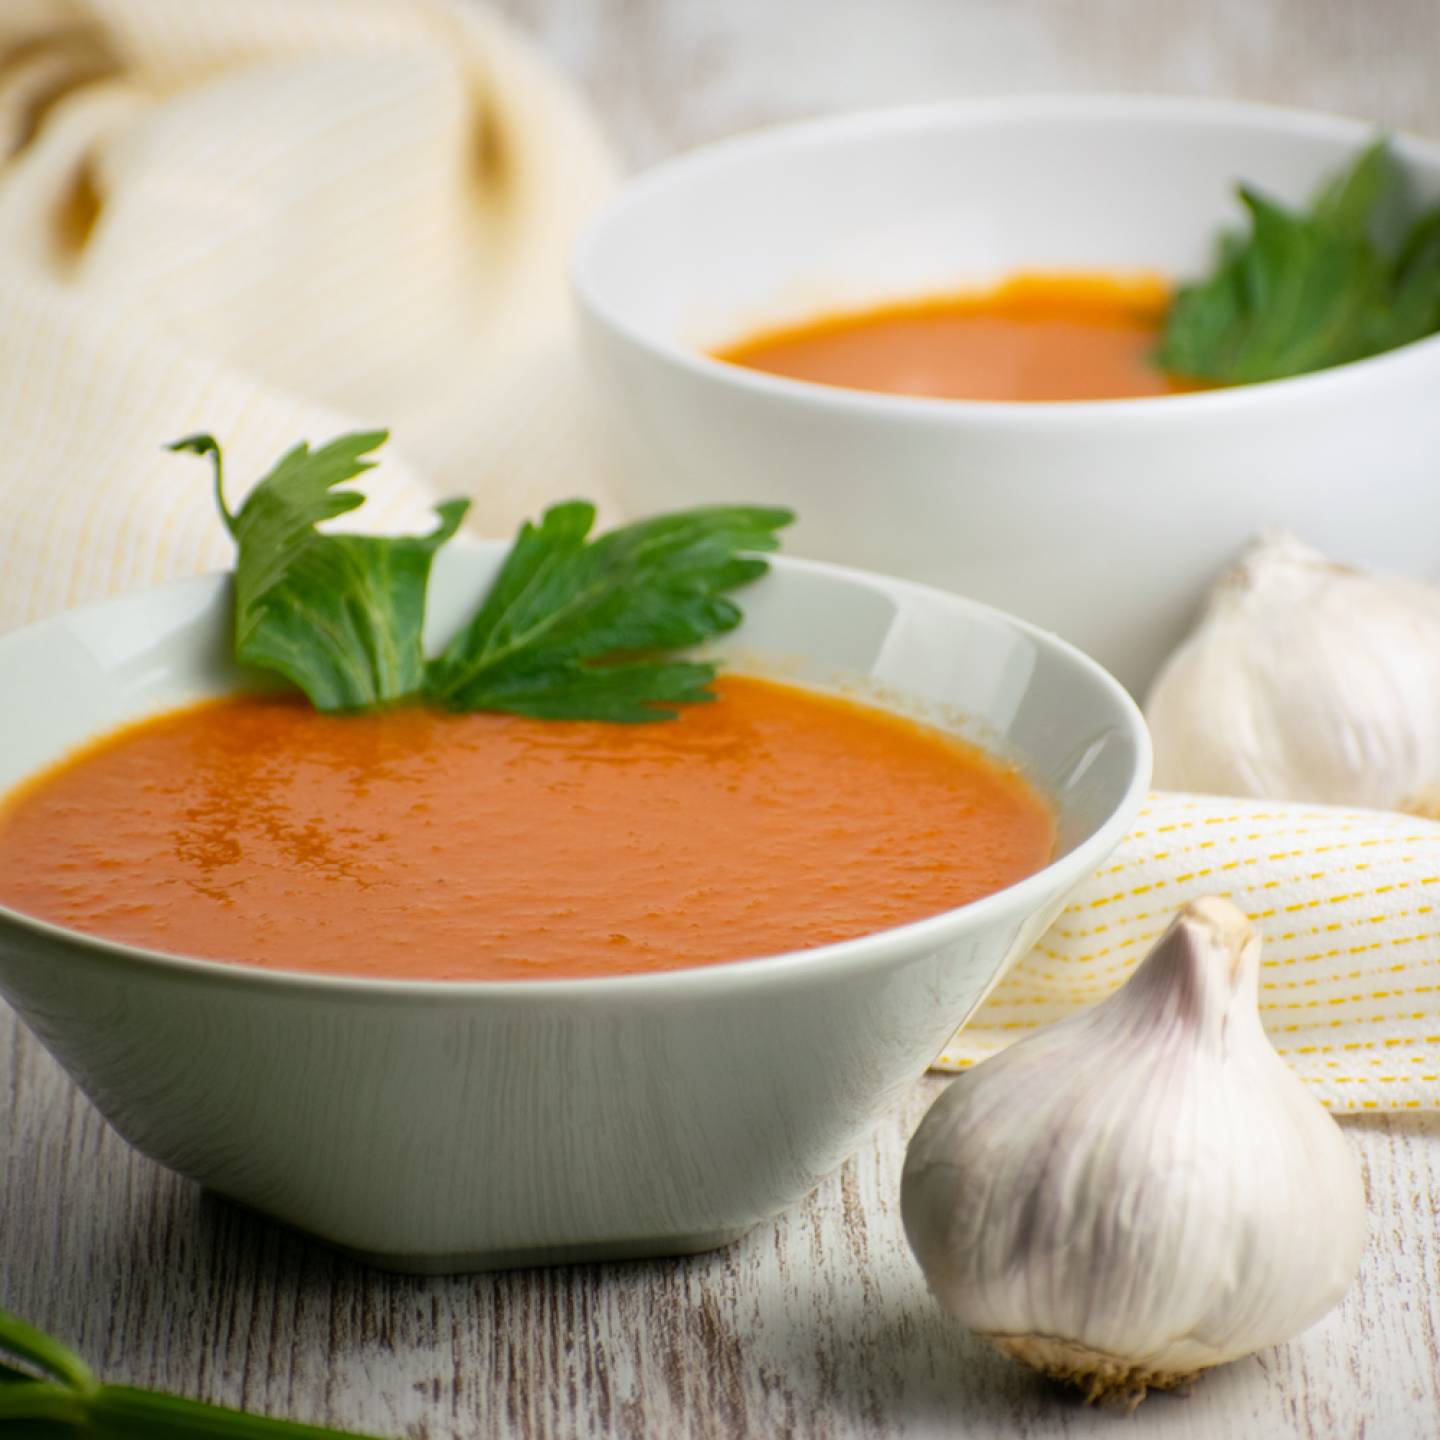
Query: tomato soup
point(1036, 337)
point(412, 843)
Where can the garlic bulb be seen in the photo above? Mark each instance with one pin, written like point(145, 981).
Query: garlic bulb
point(1141, 1190)
point(1305, 680)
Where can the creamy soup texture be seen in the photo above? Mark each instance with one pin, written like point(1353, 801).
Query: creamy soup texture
point(413, 843)
point(1035, 338)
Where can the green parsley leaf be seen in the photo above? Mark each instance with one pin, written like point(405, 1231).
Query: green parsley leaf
point(1352, 202)
point(1357, 274)
point(571, 627)
point(1415, 306)
point(568, 626)
point(338, 615)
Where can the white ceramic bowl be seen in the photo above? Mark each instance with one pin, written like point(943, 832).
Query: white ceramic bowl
point(1103, 521)
point(439, 1126)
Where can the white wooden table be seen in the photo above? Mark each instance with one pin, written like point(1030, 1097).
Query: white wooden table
point(817, 1325)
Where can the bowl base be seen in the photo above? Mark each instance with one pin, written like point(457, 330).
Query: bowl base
point(471, 1261)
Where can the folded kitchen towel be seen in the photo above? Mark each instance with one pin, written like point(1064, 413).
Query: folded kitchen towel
point(1348, 903)
point(275, 220)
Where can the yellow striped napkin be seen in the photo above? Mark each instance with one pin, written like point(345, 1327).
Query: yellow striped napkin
point(275, 219)
point(1348, 902)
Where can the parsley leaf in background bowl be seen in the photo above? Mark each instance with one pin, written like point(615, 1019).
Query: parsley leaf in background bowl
point(1356, 274)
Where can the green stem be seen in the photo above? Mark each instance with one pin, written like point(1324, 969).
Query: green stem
point(23, 1341)
point(118, 1412)
point(71, 1402)
point(40, 1400)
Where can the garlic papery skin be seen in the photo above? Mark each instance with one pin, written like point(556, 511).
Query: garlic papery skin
point(1143, 1189)
point(1304, 680)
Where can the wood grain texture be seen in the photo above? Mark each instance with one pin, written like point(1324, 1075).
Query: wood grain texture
point(817, 1325)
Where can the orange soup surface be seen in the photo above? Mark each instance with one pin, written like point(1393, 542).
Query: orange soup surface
point(1036, 337)
point(416, 844)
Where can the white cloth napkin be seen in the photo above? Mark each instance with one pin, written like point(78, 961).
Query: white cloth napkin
point(275, 220)
point(1348, 903)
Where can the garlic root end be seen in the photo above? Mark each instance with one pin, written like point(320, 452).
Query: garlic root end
point(1104, 1379)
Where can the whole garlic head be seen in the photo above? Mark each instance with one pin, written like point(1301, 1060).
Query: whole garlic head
point(1305, 680)
point(1142, 1190)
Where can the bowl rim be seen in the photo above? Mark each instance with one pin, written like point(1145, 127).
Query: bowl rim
point(1017, 901)
point(587, 291)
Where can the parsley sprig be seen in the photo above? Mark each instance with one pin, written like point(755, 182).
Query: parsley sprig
point(1356, 274)
point(573, 627)
point(49, 1393)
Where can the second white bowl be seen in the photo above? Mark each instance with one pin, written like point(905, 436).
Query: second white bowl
point(1103, 521)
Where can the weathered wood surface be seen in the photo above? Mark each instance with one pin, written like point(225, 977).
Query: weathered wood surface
point(817, 1325)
